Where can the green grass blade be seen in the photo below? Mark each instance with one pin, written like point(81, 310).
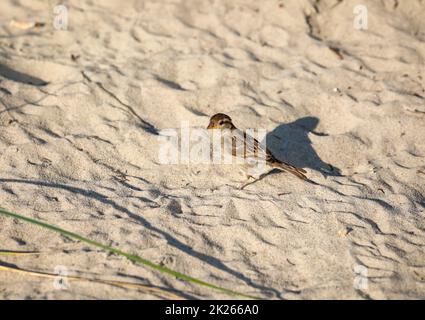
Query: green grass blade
point(129, 256)
point(17, 253)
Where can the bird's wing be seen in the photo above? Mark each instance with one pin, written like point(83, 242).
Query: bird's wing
point(246, 146)
point(256, 153)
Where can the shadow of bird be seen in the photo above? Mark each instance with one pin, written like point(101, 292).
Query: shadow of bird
point(291, 143)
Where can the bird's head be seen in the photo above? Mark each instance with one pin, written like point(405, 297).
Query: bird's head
point(220, 121)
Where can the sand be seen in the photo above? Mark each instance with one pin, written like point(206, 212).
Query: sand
point(81, 111)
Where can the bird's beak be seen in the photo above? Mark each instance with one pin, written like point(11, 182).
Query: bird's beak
point(210, 126)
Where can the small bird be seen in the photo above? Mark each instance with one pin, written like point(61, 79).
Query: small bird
point(245, 146)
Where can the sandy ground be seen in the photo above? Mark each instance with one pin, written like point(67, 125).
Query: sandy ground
point(80, 112)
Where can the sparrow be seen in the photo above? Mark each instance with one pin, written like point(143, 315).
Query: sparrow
point(254, 153)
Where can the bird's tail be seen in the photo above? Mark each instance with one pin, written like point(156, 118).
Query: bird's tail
point(300, 173)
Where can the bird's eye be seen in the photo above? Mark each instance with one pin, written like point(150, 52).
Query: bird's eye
point(220, 122)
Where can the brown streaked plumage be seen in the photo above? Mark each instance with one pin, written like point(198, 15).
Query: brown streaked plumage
point(251, 147)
